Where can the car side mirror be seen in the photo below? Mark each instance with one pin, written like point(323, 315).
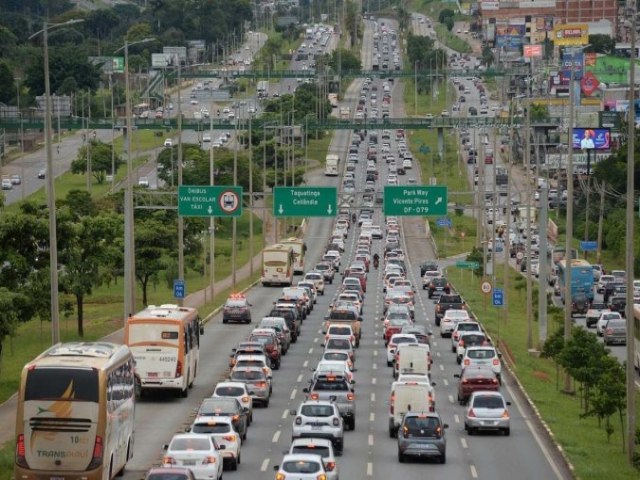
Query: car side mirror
point(187, 429)
point(201, 329)
point(292, 412)
point(222, 447)
point(165, 446)
point(326, 317)
point(359, 319)
point(456, 375)
point(508, 404)
point(433, 384)
point(305, 389)
point(276, 468)
point(446, 425)
point(251, 392)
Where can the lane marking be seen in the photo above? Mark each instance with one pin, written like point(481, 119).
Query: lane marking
point(369, 469)
point(374, 366)
point(442, 368)
point(437, 354)
point(463, 441)
point(435, 344)
point(372, 417)
point(276, 437)
point(370, 440)
point(310, 350)
point(451, 398)
point(265, 464)
point(375, 342)
point(445, 381)
point(306, 364)
point(299, 378)
point(373, 381)
point(456, 418)
point(315, 340)
point(295, 390)
point(373, 397)
point(285, 414)
point(474, 472)
point(375, 353)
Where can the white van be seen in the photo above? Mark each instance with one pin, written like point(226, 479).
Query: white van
point(412, 358)
point(408, 397)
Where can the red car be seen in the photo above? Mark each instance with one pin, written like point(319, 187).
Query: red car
point(394, 326)
point(473, 379)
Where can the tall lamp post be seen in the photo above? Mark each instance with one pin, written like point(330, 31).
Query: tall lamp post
point(50, 185)
point(129, 247)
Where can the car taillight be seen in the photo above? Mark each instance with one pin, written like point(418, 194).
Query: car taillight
point(466, 362)
point(21, 453)
point(209, 460)
point(233, 362)
point(245, 399)
point(322, 476)
point(496, 362)
point(168, 461)
point(336, 422)
point(179, 369)
point(392, 404)
point(235, 418)
point(329, 466)
point(261, 384)
point(350, 396)
point(98, 452)
point(494, 381)
point(314, 396)
point(229, 438)
point(280, 476)
point(471, 413)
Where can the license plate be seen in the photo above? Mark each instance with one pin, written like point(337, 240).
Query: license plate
point(56, 478)
point(188, 462)
point(489, 423)
point(316, 427)
point(424, 446)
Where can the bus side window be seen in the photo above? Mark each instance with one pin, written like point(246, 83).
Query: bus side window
point(187, 341)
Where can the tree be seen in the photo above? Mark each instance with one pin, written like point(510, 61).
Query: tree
point(599, 43)
point(552, 349)
point(346, 59)
point(94, 245)
point(8, 40)
point(65, 62)
point(539, 112)
point(448, 22)
point(7, 84)
point(487, 56)
point(444, 14)
point(101, 160)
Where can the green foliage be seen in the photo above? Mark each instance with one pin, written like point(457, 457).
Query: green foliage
point(446, 13)
point(599, 43)
point(487, 55)
point(539, 112)
point(7, 84)
point(101, 160)
point(345, 58)
point(477, 255)
point(448, 22)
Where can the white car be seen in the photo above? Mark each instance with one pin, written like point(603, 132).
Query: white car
point(221, 429)
point(450, 319)
point(487, 411)
point(392, 346)
point(318, 446)
point(318, 280)
point(300, 466)
point(461, 327)
point(604, 319)
point(143, 182)
point(237, 390)
point(196, 451)
point(486, 356)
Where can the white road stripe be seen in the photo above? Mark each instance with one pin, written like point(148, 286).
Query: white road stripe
point(315, 340)
point(370, 440)
point(295, 390)
point(375, 342)
point(369, 469)
point(285, 414)
point(435, 344)
point(310, 350)
point(265, 464)
point(437, 354)
point(445, 381)
point(463, 441)
point(456, 418)
point(373, 381)
point(305, 364)
point(451, 398)
point(442, 367)
point(299, 378)
point(373, 397)
point(372, 417)
point(474, 472)
point(374, 366)
point(276, 437)
point(375, 353)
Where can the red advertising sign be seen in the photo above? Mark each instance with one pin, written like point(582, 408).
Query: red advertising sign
point(589, 83)
point(531, 51)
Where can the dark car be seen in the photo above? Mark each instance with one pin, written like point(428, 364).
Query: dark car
point(438, 286)
point(225, 407)
point(618, 304)
point(271, 344)
point(291, 316)
point(473, 379)
point(422, 435)
point(428, 266)
point(579, 304)
point(236, 309)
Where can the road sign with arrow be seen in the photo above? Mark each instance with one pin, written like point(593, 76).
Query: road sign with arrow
point(415, 200)
point(209, 201)
point(305, 201)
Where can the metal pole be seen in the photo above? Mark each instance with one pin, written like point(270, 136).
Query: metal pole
point(212, 223)
point(234, 223)
point(415, 87)
point(629, 257)
point(180, 218)
point(113, 136)
point(542, 266)
point(527, 166)
point(568, 324)
point(250, 201)
point(129, 265)
point(600, 224)
point(51, 199)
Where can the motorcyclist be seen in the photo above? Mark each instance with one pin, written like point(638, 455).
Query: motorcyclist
point(376, 260)
point(353, 218)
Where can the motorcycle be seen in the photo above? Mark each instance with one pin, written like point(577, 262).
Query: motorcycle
point(376, 261)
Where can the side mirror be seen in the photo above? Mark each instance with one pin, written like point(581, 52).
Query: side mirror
point(251, 392)
point(353, 382)
point(292, 412)
point(201, 329)
point(222, 447)
point(305, 389)
point(446, 425)
point(165, 446)
point(187, 429)
point(359, 319)
point(456, 375)
point(433, 384)
point(509, 404)
point(276, 468)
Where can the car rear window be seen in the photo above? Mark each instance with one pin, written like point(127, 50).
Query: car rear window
point(314, 450)
point(339, 344)
point(229, 391)
point(211, 428)
point(489, 401)
point(316, 410)
point(421, 427)
point(481, 353)
point(182, 444)
point(334, 386)
point(301, 466)
point(247, 375)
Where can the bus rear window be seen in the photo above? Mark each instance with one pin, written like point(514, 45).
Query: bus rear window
point(62, 383)
point(149, 333)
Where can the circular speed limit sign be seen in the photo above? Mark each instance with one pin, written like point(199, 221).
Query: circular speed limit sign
point(229, 201)
point(485, 287)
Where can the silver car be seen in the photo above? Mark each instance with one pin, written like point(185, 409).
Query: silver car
point(422, 435)
point(615, 332)
point(257, 382)
point(319, 419)
point(487, 411)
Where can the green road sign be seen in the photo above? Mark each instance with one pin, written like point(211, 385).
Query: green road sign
point(424, 149)
point(415, 200)
point(467, 265)
point(304, 201)
point(208, 201)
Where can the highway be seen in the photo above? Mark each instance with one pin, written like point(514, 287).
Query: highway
point(369, 452)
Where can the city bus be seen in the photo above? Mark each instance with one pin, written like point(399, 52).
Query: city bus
point(636, 333)
point(75, 413)
point(165, 342)
point(581, 278)
point(299, 250)
point(277, 265)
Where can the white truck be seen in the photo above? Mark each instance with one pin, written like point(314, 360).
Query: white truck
point(331, 165)
point(345, 113)
point(262, 89)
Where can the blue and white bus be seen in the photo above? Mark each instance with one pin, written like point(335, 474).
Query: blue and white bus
point(581, 277)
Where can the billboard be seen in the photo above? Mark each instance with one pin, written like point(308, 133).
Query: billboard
point(510, 37)
point(591, 138)
point(532, 51)
point(572, 59)
point(109, 65)
point(571, 34)
point(160, 60)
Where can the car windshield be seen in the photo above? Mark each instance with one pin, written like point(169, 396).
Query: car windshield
point(211, 428)
point(218, 406)
point(229, 391)
point(332, 385)
point(301, 466)
point(339, 330)
point(421, 427)
point(316, 410)
point(468, 327)
point(236, 303)
point(336, 356)
point(168, 476)
point(490, 401)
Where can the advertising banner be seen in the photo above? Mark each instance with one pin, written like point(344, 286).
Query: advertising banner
point(532, 51)
point(589, 84)
point(572, 59)
point(591, 138)
point(571, 34)
point(510, 37)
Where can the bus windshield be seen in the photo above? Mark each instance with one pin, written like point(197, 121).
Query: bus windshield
point(80, 385)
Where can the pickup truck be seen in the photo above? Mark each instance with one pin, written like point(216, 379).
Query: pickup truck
point(446, 302)
point(338, 389)
point(345, 315)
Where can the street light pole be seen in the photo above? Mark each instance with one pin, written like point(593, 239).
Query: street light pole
point(180, 218)
point(50, 185)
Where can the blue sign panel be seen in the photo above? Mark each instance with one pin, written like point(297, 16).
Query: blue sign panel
point(588, 246)
point(444, 222)
point(498, 297)
point(178, 289)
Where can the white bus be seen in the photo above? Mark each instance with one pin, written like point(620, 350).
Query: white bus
point(75, 414)
point(299, 251)
point(332, 162)
point(277, 265)
point(165, 342)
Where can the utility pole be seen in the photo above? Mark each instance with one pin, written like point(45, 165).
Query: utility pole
point(180, 218)
point(629, 240)
point(600, 224)
point(529, 204)
point(251, 200)
point(212, 223)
